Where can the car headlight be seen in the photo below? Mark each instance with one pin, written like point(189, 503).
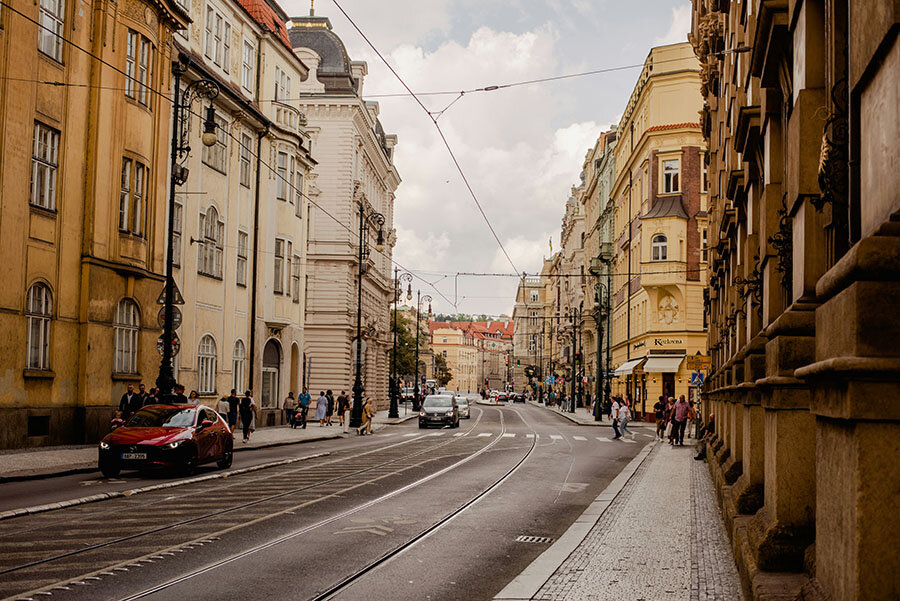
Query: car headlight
point(104, 445)
point(450, 413)
point(421, 414)
point(175, 445)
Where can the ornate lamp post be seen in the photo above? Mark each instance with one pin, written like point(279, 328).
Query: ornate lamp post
point(372, 219)
point(419, 300)
point(395, 383)
point(181, 107)
point(599, 315)
point(574, 317)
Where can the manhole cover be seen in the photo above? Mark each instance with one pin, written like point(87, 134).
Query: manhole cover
point(534, 539)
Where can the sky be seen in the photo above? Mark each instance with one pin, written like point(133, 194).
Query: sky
point(521, 149)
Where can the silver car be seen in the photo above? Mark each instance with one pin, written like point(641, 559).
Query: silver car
point(462, 403)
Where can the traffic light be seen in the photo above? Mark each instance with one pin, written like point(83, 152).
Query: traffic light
point(507, 361)
point(517, 363)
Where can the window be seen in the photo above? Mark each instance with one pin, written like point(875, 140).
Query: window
point(282, 85)
point(295, 278)
point(247, 66)
point(245, 160)
point(704, 174)
point(206, 367)
point(242, 261)
point(127, 326)
point(704, 242)
point(670, 176)
point(50, 33)
point(237, 365)
point(218, 39)
point(534, 296)
point(177, 224)
point(44, 163)
point(216, 155)
point(659, 248)
point(279, 266)
point(534, 318)
point(38, 305)
point(281, 174)
point(212, 238)
point(131, 197)
point(298, 194)
point(137, 67)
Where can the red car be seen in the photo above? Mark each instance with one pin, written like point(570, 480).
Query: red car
point(178, 437)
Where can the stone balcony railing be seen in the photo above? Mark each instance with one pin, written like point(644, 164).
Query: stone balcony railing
point(662, 273)
point(287, 117)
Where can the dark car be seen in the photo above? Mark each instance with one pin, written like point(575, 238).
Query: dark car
point(177, 437)
point(502, 397)
point(439, 410)
point(517, 397)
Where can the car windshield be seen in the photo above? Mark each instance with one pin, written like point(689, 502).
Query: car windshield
point(162, 417)
point(461, 400)
point(438, 401)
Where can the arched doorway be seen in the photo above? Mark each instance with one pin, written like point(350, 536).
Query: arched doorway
point(270, 373)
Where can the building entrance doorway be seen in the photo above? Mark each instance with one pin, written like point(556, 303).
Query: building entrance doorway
point(668, 385)
point(270, 374)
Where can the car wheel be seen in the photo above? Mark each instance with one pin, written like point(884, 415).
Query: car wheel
point(190, 463)
point(421, 426)
point(227, 458)
point(110, 469)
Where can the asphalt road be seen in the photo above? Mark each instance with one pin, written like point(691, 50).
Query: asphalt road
point(349, 524)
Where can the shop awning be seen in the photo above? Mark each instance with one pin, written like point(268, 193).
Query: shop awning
point(663, 365)
point(628, 367)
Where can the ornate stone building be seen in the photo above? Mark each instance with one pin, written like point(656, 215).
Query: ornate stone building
point(800, 113)
point(355, 172)
point(528, 320)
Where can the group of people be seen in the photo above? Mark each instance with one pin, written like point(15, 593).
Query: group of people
point(296, 411)
point(131, 401)
point(233, 407)
point(672, 418)
point(620, 415)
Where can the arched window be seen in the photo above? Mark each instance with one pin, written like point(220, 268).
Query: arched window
point(126, 326)
point(38, 306)
point(271, 374)
point(212, 243)
point(659, 248)
point(206, 356)
point(237, 365)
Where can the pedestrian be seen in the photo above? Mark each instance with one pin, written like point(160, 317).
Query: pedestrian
point(368, 412)
point(614, 417)
point(129, 403)
point(193, 398)
point(222, 408)
point(178, 394)
point(288, 406)
point(670, 409)
point(142, 392)
point(233, 402)
point(304, 401)
point(343, 407)
point(248, 414)
point(706, 434)
point(659, 409)
point(329, 410)
point(624, 416)
point(692, 418)
point(680, 416)
point(321, 408)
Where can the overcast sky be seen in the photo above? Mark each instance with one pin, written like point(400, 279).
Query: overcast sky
point(521, 148)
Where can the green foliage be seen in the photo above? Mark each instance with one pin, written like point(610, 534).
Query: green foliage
point(406, 344)
point(443, 375)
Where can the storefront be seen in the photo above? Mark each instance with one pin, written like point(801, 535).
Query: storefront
point(649, 377)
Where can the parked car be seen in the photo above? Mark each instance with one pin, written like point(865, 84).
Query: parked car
point(407, 393)
point(439, 410)
point(502, 397)
point(177, 437)
point(462, 403)
point(517, 397)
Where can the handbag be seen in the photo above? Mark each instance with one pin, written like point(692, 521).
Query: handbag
point(668, 429)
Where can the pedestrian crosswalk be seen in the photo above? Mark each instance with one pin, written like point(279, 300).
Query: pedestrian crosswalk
point(579, 438)
point(528, 435)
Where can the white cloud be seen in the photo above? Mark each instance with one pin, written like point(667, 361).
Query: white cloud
point(680, 26)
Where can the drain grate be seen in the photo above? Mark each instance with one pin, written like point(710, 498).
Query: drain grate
point(534, 539)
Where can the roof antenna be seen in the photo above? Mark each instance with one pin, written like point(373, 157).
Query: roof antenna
point(312, 10)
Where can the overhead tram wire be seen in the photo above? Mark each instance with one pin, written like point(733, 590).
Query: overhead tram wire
point(156, 92)
point(438, 127)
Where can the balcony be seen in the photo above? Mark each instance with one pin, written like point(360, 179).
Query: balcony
point(662, 273)
point(287, 117)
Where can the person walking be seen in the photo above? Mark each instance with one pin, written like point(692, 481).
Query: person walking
point(321, 408)
point(329, 410)
point(248, 414)
point(614, 418)
point(222, 408)
point(624, 416)
point(343, 408)
point(659, 409)
point(233, 402)
point(288, 407)
point(367, 414)
point(304, 401)
point(177, 396)
point(142, 392)
point(680, 416)
point(129, 403)
point(669, 414)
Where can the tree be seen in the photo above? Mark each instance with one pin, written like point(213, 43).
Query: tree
point(443, 375)
point(406, 343)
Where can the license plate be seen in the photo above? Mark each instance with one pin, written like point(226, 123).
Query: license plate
point(134, 456)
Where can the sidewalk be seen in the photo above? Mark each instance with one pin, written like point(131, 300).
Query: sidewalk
point(657, 535)
point(583, 417)
point(44, 462)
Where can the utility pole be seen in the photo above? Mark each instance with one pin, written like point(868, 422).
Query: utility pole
point(574, 317)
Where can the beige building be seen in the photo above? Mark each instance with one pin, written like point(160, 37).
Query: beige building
point(83, 195)
point(801, 116)
point(457, 346)
point(660, 230)
point(530, 329)
point(355, 172)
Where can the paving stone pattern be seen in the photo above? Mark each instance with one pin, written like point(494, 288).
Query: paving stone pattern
point(660, 540)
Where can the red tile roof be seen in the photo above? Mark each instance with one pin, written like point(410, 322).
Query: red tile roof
point(266, 17)
point(673, 126)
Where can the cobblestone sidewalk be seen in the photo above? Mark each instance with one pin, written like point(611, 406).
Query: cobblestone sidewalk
point(662, 539)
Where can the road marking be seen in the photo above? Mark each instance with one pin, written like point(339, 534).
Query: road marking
point(461, 434)
point(556, 436)
point(438, 433)
point(604, 439)
point(373, 529)
point(485, 434)
point(509, 435)
point(579, 438)
point(532, 435)
point(410, 434)
point(629, 441)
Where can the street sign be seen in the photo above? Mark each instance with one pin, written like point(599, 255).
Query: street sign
point(177, 299)
point(176, 317)
point(176, 344)
point(697, 362)
point(697, 378)
point(353, 349)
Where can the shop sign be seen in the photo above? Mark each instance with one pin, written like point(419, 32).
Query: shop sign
point(667, 341)
point(697, 362)
point(640, 344)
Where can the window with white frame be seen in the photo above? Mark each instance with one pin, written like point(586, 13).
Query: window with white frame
point(282, 85)
point(288, 257)
point(659, 248)
point(237, 365)
point(177, 225)
point(247, 66)
point(245, 160)
point(279, 266)
point(216, 156)
point(50, 33)
point(212, 241)
point(138, 59)
point(534, 297)
point(132, 197)
point(44, 164)
point(670, 169)
point(298, 194)
point(295, 278)
point(704, 243)
point(126, 326)
point(534, 318)
point(38, 307)
point(241, 277)
point(218, 38)
point(206, 365)
point(281, 174)
point(704, 174)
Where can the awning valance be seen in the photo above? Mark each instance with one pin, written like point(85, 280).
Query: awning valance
point(628, 367)
point(663, 365)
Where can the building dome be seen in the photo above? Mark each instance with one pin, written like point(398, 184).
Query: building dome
point(334, 67)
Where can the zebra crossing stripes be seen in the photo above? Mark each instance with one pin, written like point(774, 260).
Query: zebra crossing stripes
point(410, 434)
point(556, 436)
point(509, 435)
point(485, 434)
point(460, 434)
point(579, 438)
point(532, 435)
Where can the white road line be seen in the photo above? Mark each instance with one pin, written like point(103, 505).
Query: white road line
point(604, 439)
point(410, 434)
point(630, 441)
point(579, 438)
point(556, 436)
point(461, 434)
point(438, 433)
point(509, 435)
point(532, 436)
point(485, 434)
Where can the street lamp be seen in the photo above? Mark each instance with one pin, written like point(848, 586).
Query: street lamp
point(574, 317)
point(373, 219)
point(398, 280)
point(419, 300)
point(181, 108)
point(599, 315)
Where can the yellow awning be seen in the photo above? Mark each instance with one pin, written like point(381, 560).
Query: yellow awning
point(663, 365)
point(628, 367)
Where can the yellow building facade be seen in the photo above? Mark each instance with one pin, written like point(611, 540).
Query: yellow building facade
point(459, 350)
point(660, 232)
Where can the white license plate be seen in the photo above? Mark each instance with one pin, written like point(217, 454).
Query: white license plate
point(134, 455)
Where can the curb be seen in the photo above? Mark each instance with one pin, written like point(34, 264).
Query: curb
point(605, 423)
point(136, 491)
point(527, 584)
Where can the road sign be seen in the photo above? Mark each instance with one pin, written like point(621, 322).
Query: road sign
point(353, 349)
point(697, 378)
point(697, 362)
point(176, 317)
point(177, 299)
point(176, 344)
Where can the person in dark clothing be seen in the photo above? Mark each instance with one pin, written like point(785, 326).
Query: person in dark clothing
point(233, 402)
point(660, 409)
point(152, 397)
point(142, 392)
point(304, 400)
point(178, 395)
point(343, 409)
point(706, 434)
point(129, 403)
point(329, 411)
point(247, 409)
